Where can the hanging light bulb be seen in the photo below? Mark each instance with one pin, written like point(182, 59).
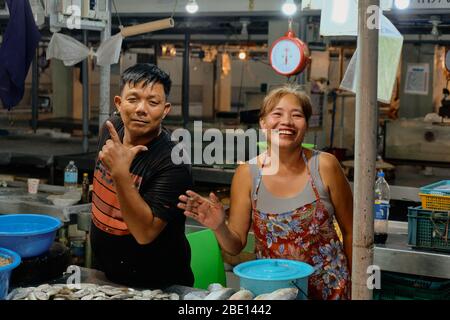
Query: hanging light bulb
point(289, 8)
point(435, 22)
point(164, 50)
point(435, 31)
point(242, 55)
point(192, 6)
point(402, 4)
point(244, 30)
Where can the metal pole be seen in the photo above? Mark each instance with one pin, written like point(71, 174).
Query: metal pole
point(342, 128)
point(85, 97)
point(185, 87)
point(34, 91)
point(155, 48)
point(365, 149)
point(105, 76)
point(303, 36)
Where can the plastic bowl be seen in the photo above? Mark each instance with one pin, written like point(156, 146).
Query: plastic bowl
point(65, 200)
point(267, 275)
point(29, 235)
point(5, 271)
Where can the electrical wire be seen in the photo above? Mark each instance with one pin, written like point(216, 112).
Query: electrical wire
point(174, 8)
point(117, 14)
point(240, 88)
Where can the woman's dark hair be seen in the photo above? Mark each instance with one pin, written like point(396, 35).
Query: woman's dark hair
point(148, 73)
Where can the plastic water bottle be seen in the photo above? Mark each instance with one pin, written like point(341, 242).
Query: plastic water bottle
point(382, 198)
point(71, 176)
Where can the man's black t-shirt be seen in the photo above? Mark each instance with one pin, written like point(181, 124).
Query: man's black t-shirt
point(166, 260)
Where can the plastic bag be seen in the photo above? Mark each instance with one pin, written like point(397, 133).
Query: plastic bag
point(67, 49)
point(109, 51)
point(389, 52)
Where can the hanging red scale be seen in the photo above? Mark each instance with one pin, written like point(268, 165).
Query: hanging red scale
point(289, 55)
point(447, 61)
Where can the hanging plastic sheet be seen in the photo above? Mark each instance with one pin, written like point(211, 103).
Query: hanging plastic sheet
point(109, 51)
point(71, 51)
point(67, 49)
point(389, 53)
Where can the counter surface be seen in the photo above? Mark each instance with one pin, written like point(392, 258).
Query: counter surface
point(397, 256)
point(16, 199)
point(88, 275)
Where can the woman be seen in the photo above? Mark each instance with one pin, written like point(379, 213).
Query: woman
point(292, 210)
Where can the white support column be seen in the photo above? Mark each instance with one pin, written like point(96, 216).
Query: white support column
point(105, 77)
point(365, 149)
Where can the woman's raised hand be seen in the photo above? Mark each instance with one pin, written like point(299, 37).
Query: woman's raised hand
point(208, 211)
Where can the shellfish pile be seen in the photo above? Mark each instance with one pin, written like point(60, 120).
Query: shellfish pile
point(4, 261)
point(217, 292)
point(87, 292)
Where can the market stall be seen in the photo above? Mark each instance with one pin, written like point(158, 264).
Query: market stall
point(225, 146)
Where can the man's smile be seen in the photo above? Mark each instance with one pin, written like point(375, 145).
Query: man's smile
point(139, 121)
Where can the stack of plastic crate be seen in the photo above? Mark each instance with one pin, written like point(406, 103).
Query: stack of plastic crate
point(429, 224)
point(428, 229)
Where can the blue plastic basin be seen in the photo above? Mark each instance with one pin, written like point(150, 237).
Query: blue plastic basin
point(29, 235)
point(267, 275)
point(5, 271)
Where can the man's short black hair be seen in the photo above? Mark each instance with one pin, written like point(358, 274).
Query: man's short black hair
point(147, 72)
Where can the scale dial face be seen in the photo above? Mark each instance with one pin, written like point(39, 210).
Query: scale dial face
point(286, 57)
point(447, 60)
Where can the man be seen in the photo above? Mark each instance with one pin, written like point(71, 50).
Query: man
point(137, 234)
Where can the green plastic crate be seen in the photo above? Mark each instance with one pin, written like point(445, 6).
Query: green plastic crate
point(429, 229)
point(397, 286)
point(441, 188)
